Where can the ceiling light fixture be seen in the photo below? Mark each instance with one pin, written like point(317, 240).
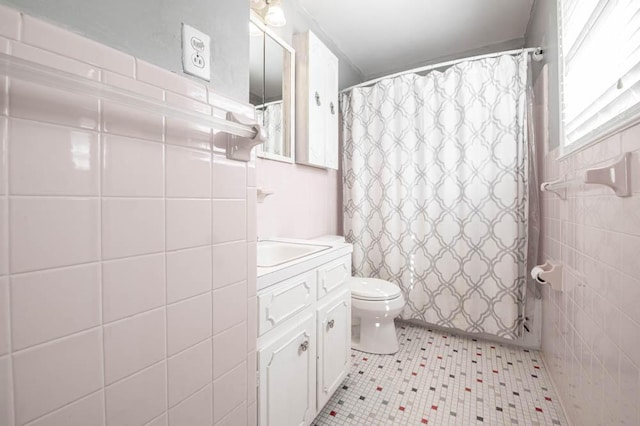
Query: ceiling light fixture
point(270, 11)
point(275, 15)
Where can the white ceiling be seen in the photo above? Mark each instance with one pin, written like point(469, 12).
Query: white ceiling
point(384, 36)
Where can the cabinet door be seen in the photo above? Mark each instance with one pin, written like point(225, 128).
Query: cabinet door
point(334, 345)
point(317, 102)
point(331, 111)
point(287, 371)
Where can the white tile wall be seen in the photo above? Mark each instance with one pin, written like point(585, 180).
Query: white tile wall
point(189, 273)
point(591, 334)
point(132, 167)
point(133, 344)
point(54, 303)
point(88, 411)
point(138, 398)
point(39, 224)
point(189, 371)
point(125, 245)
point(132, 285)
point(196, 410)
point(49, 376)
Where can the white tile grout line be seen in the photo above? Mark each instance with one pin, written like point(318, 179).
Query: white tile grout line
point(100, 256)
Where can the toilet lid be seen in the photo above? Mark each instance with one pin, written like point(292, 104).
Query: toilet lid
point(373, 289)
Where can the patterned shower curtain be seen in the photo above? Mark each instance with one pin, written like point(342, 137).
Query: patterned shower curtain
point(270, 115)
point(435, 191)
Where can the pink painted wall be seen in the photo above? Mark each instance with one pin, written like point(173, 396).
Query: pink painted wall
point(307, 202)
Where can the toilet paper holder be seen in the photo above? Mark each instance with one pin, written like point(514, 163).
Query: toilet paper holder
point(548, 273)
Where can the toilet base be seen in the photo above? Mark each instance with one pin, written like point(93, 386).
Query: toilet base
point(376, 337)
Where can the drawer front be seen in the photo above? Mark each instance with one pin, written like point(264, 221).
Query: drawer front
point(333, 275)
point(286, 300)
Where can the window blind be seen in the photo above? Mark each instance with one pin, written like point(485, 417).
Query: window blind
point(600, 55)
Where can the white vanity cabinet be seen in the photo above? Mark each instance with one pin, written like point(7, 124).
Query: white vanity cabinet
point(286, 372)
point(304, 337)
point(316, 102)
point(334, 345)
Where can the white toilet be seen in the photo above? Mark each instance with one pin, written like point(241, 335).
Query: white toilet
point(374, 305)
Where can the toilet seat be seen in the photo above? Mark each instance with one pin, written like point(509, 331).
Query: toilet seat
point(373, 289)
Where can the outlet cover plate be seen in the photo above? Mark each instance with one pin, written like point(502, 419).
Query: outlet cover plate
point(196, 52)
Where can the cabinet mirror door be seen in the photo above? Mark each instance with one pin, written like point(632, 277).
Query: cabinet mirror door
point(271, 86)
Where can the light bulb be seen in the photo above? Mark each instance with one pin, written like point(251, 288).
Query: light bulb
point(275, 16)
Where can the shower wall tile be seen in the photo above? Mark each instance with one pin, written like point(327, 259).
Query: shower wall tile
point(45, 159)
point(231, 391)
point(196, 410)
point(127, 83)
point(6, 392)
point(188, 173)
point(116, 274)
point(189, 371)
point(228, 262)
point(591, 333)
point(229, 178)
point(54, 303)
point(229, 220)
point(160, 77)
point(132, 167)
point(238, 417)
point(188, 223)
point(4, 316)
point(9, 23)
point(49, 105)
point(129, 121)
point(133, 344)
point(229, 306)
point(252, 257)
point(4, 236)
point(49, 376)
point(132, 285)
point(87, 411)
point(138, 398)
point(39, 224)
point(132, 226)
point(188, 273)
point(62, 63)
point(4, 169)
point(159, 421)
point(188, 322)
point(49, 37)
point(229, 349)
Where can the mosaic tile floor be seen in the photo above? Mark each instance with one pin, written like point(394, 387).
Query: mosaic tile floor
point(443, 379)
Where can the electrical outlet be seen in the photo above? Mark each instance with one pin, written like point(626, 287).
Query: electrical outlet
point(196, 52)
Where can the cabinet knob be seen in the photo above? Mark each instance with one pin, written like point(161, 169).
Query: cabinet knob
point(318, 99)
point(332, 108)
point(332, 323)
point(304, 346)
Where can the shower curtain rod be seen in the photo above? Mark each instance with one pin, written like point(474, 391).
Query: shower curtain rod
point(444, 64)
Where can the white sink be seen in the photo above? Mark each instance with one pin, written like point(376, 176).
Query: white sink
point(274, 253)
